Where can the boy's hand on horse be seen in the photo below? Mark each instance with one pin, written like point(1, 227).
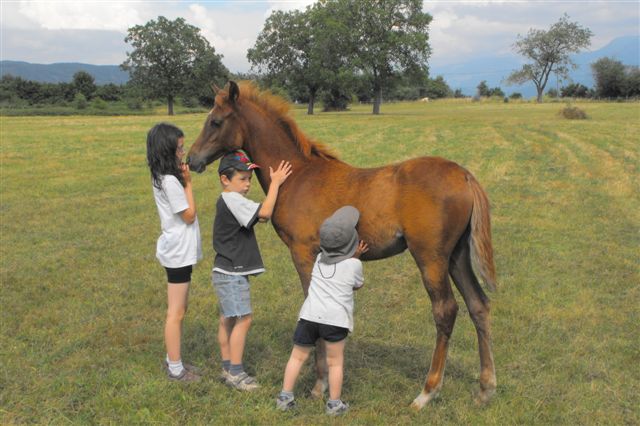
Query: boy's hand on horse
point(281, 173)
point(362, 248)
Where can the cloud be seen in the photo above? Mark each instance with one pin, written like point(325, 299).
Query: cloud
point(81, 15)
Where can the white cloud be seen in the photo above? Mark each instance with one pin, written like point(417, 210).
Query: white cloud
point(81, 15)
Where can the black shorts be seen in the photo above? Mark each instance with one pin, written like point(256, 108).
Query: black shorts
point(179, 275)
point(307, 332)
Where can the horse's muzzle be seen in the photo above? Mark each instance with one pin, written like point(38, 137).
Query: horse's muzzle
point(194, 166)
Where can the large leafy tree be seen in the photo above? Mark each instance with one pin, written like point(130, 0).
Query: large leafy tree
point(388, 38)
point(303, 51)
point(548, 52)
point(171, 58)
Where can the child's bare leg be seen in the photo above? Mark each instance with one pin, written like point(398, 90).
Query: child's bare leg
point(238, 337)
point(225, 326)
point(177, 296)
point(299, 355)
point(335, 360)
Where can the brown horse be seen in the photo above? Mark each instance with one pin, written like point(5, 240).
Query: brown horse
point(430, 205)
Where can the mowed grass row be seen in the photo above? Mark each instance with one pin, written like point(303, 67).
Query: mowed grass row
point(83, 298)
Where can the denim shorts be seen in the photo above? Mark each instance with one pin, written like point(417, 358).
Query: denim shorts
point(234, 299)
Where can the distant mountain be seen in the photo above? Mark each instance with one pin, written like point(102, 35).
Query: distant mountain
point(467, 75)
point(63, 72)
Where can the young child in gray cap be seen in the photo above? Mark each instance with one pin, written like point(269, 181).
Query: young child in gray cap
point(327, 312)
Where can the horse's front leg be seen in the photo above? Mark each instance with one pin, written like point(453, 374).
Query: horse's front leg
point(303, 259)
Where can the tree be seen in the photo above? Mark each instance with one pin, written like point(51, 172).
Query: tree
point(283, 51)
point(609, 76)
point(84, 83)
point(483, 89)
point(171, 58)
point(549, 52)
point(387, 37)
point(632, 86)
point(574, 90)
point(305, 51)
point(438, 88)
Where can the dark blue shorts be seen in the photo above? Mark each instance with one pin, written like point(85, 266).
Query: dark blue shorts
point(307, 332)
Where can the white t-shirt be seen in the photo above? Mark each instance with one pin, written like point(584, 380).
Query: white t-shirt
point(179, 245)
point(330, 298)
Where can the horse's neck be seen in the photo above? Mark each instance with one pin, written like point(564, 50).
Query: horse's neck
point(268, 144)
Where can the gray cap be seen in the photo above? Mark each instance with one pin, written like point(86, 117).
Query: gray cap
point(338, 235)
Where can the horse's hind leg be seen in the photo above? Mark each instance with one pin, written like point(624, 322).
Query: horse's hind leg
point(444, 308)
point(479, 310)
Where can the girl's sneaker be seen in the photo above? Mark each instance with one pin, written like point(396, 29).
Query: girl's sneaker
point(337, 409)
point(285, 404)
point(184, 376)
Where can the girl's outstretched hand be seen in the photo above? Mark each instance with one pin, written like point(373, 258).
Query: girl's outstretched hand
point(281, 173)
point(362, 248)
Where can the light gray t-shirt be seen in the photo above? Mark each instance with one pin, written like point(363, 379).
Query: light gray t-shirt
point(179, 244)
point(330, 298)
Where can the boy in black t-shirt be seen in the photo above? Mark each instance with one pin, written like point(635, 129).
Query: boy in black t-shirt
point(238, 256)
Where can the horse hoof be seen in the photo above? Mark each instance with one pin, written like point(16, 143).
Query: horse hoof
point(421, 400)
point(484, 396)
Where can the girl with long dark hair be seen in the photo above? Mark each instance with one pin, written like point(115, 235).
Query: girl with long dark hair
point(179, 246)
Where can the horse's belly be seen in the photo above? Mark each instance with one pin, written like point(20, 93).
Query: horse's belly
point(381, 251)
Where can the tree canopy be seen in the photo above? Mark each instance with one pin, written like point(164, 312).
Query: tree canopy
point(388, 37)
point(171, 58)
point(548, 52)
point(337, 44)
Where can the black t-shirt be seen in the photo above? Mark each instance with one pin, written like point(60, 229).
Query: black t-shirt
point(234, 239)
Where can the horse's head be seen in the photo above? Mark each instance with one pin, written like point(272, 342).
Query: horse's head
point(221, 131)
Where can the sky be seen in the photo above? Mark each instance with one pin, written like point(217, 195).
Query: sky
point(93, 31)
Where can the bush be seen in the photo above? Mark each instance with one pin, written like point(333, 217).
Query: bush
point(80, 101)
point(99, 103)
point(573, 113)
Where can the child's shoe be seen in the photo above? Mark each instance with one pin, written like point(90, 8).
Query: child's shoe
point(243, 382)
point(337, 409)
point(284, 403)
point(184, 376)
point(224, 375)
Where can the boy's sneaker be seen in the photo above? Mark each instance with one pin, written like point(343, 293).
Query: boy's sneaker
point(243, 382)
point(336, 410)
point(224, 375)
point(184, 376)
point(285, 404)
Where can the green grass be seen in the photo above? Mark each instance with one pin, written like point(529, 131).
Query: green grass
point(83, 298)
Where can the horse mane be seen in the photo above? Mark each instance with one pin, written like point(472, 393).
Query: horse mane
point(279, 108)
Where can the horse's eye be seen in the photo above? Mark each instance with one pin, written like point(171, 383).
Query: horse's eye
point(216, 122)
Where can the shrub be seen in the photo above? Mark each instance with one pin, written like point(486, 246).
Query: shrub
point(573, 113)
point(80, 101)
point(99, 103)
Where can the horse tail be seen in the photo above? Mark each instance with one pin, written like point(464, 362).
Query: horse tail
point(480, 238)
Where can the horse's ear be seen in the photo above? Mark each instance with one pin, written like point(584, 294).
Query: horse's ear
point(234, 91)
point(215, 88)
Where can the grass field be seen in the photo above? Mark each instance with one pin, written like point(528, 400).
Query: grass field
point(83, 298)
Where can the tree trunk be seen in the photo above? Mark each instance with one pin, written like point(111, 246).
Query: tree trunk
point(540, 90)
point(377, 99)
point(312, 99)
point(170, 105)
